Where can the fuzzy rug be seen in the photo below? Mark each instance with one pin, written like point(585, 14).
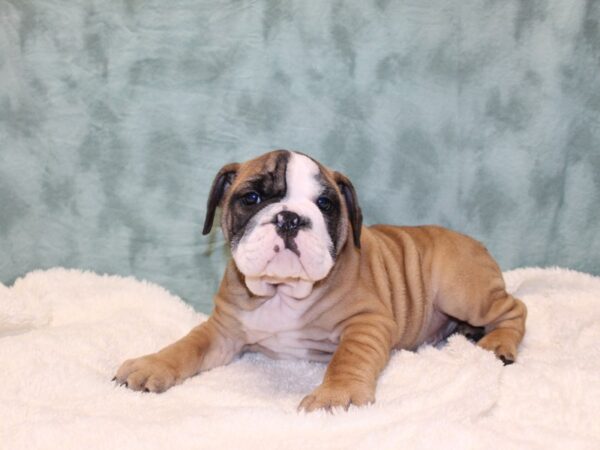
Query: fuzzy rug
point(63, 333)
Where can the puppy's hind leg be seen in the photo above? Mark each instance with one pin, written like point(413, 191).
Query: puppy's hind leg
point(475, 293)
point(505, 327)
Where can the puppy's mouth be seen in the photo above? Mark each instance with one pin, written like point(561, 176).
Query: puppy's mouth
point(283, 273)
point(274, 280)
point(289, 243)
point(265, 286)
point(284, 263)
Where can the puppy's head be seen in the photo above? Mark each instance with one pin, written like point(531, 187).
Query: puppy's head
point(286, 218)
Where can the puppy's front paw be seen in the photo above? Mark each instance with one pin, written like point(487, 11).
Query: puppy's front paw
point(149, 374)
point(334, 395)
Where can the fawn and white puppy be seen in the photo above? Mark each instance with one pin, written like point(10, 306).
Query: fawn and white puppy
point(308, 280)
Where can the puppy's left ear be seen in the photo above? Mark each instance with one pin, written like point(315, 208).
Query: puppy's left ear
point(351, 200)
point(220, 184)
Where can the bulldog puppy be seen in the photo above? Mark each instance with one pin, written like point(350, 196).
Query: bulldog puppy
point(307, 280)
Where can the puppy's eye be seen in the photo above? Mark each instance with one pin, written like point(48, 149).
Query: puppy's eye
point(324, 203)
point(251, 198)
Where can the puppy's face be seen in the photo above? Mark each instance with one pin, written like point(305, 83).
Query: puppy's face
point(286, 217)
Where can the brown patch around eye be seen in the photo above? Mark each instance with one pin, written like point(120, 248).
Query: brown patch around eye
point(268, 180)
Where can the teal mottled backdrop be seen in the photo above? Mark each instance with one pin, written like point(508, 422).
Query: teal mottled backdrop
point(483, 116)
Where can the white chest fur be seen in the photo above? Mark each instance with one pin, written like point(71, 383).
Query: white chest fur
point(280, 328)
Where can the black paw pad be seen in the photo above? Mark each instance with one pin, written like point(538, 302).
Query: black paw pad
point(506, 361)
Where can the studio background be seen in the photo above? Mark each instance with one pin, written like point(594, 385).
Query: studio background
point(483, 116)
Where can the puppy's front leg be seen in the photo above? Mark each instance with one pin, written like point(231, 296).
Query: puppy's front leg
point(351, 376)
point(205, 347)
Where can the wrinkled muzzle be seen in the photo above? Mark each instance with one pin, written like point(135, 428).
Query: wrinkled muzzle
point(284, 247)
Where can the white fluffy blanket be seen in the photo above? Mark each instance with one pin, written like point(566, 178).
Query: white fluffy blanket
point(63, 334)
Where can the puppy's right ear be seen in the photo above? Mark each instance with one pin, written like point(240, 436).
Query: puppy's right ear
point(220, 184)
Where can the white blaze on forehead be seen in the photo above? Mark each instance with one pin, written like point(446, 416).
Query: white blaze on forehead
point(301, 178)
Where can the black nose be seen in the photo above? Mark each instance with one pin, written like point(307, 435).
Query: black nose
point(288, 223)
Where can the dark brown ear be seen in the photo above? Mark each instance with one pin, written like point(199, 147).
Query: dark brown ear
point(220, 184)
point(354, 212)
